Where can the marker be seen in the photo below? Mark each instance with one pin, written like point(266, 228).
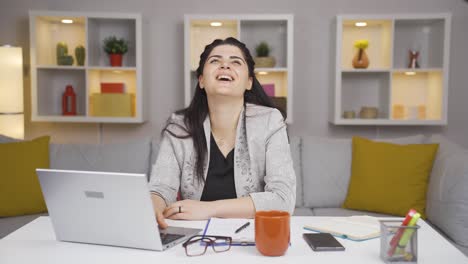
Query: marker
point(242, 227)
point(397, 236)
point(408, 232)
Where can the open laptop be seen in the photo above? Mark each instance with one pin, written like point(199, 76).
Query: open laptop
point(105, 208)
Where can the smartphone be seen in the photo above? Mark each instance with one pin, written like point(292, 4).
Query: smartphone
point(323, 242)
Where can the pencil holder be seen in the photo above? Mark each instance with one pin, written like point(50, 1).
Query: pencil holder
point(398, 244)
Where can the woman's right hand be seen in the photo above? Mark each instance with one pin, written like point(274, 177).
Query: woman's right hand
point(159, 206)
point(161, 220)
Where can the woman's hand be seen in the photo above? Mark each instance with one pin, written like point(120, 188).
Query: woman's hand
point(189, 210)
point(161, 220)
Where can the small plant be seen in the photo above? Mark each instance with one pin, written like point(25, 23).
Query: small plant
point(113, 45)
point(361, 44)
point(262, 49)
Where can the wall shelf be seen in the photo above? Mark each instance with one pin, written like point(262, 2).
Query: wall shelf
point(251, 29)
point(403, 95)
point(48, 79)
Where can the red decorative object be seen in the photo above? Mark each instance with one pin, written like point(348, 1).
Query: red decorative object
point(112, 88)
point(69, 101)
point(116, 60)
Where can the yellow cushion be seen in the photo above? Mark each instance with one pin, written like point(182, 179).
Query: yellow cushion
point(389, 178)
point(20, 192)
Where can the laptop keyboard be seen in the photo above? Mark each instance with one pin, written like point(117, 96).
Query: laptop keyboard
point(168, 238)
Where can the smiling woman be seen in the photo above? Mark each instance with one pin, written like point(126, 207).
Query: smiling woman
point(227, 152)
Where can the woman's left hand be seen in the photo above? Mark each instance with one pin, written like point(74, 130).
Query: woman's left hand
point(189, 210)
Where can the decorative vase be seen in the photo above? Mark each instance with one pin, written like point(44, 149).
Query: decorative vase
point(115, 60)
point(369, 112)
point(62, 51)
point(80, 55)
point(265, 62)
point(360, 60)
point(69, 101)
point(349, 114)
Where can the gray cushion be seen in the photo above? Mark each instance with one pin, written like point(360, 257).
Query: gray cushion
point(303, 211)
point(447, 196)
point(344, 212)
point(6, 139)
point(10, 224)
point(326, 166)
point(154, 155)
point(463, 249)
point(295, 145)
point(132, 157)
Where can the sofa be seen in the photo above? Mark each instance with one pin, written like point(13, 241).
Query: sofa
point(322, 167)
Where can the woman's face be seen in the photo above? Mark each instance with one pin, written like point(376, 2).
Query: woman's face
point(225, 72)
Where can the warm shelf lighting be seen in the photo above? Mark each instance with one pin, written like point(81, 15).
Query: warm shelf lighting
point(117, 71)
point(410, 73)
point(262, 73)
point(11, 92)
point(67, 21)
point(216, 24)
point(360, 24)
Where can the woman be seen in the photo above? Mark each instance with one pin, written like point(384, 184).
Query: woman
point(228, 152)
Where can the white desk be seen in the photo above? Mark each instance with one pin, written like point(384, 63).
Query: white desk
point(35, 243)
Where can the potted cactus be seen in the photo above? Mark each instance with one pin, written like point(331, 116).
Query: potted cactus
point(62, 54)
point(263, 59)
point(116, 48)
point(80, 55)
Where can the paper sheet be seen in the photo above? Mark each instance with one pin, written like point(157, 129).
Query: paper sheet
point(228, 226)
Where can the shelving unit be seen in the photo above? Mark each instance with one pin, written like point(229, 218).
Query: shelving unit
point(276, 30)
point(48, 79)
point(403, 95)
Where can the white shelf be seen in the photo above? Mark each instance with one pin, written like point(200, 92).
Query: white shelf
point(84, 119)
point(115, 69)
point(388, 122)
point(49, 80)
point(418, 70)
point(251, 29)
point(279, 69)
point(403, 96)
point(365, 70)
point(52, 67)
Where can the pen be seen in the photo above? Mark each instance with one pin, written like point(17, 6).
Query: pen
point(242, 227)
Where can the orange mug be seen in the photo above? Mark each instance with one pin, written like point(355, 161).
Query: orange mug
point(272, 232)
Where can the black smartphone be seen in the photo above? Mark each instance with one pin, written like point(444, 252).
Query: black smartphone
point(323, 242)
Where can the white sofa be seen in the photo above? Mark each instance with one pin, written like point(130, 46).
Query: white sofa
point(322, 168)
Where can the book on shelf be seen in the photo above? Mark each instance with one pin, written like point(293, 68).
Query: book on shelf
point(356, 228)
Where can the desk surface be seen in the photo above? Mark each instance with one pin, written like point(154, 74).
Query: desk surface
point(35, 243)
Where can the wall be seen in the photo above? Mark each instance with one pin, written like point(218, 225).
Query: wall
point(313, 49)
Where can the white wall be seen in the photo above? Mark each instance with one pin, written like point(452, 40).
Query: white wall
point(313, 49)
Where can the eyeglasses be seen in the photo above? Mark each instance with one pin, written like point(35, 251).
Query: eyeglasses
point(196, 245)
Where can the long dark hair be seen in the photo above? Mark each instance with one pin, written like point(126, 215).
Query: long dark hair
point(195, 114)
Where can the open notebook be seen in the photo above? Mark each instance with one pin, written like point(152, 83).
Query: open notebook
point(228, 226)
point(357, 228)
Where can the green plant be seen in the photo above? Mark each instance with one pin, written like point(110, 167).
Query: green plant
point(62, 51)
point(262, 49)
point(113, 45)
point(80, 55)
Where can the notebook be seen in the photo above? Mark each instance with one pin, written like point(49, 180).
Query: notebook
point(228, 226)
point(356, 228)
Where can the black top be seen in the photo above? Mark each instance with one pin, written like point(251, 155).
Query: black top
point(219, 182)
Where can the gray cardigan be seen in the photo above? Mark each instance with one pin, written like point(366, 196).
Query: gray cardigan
point(263, 165)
